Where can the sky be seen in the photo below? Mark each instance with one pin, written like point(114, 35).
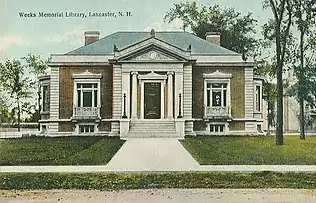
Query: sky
point(57, 35)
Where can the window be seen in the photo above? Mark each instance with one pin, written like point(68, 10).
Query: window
point(216, 94)
point(86, 128)
point(87, 94)
point(259, 128)
point(44, 128)
point(45, 101)
point(258, 98)
point(217, 128)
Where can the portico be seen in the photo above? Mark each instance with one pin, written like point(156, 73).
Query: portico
point(151, 93)
point(151, 104)
point(152, 96)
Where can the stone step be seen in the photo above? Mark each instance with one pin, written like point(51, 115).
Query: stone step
point(152, 124)
point(152, 121)
point(153, 130)
point(153, 127)
point(152, 135)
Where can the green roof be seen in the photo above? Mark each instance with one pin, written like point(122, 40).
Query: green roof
point(179, 39)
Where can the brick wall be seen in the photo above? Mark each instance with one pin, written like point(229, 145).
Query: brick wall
point(199, 126)
point(66, 127)
point(105, 126)
point(66, 87)
point(45, 116)
point(237, 90)
point(237, 126)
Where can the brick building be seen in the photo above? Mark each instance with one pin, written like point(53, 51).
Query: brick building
point(151, 84)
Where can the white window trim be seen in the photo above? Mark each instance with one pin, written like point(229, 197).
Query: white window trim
point(87, 75)
point(225, 130)
point(216, 81)
point(214, 78)
point(221, 89)
point(77, 128)
point(42, 99)
point(260, 97)
point(87, 81)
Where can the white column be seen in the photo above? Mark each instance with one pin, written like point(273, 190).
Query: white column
point(178, 90)
point(163, 100)
point(142, 99)
point(134, 95)
point(170, 94)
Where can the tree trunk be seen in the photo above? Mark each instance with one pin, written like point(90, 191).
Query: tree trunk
point(19, 115)
point(269, 131)
point(302, 119)
point(39, 107)
point(301, 78)
point(269, 123)
point(279, 127)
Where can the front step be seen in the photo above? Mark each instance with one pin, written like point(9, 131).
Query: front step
point(152, 129)
point(152, 135)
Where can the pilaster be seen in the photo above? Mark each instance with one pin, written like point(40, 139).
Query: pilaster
point(134, 95)
point(170, 94)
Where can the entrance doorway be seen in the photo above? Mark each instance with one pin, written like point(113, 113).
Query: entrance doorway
point(152, 100)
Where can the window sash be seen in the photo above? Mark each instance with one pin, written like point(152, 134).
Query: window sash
point(216, 94)
point(86, 128)
point(87, 95)
point(87, 99)
point(45, 99)
point(217, 128)
point(258, 98)
point(87, 85)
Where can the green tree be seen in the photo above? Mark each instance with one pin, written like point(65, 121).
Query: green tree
point(37, 67)
point(268, 69)
point(278, 30)
point(237, 31)
point(14, 81)
point(304, 19)
point(4, 110)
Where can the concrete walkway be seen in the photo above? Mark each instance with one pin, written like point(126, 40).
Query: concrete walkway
point(157, 155)
point(152, 154)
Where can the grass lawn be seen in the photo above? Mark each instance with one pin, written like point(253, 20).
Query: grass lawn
point(251, 150)
point(58, 150)
point(120, 181)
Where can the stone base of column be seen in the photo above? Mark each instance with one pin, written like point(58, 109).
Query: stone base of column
point(179, 123)
point(189, 128)
point(124, 127)
point(115, 128)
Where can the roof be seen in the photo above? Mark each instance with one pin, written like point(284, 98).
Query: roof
point(179, 39)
